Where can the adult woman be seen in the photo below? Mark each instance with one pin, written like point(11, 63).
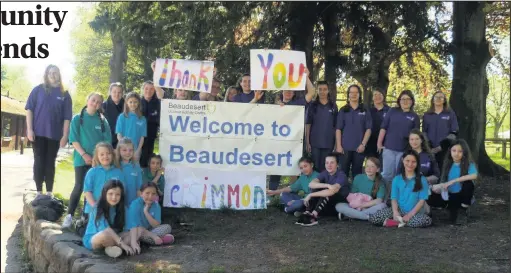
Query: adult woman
point(409, 194)
point(49, 113)
point(369, 183)
point(328, 189)
point(439, 123)
point(247, 95)
point(395, 128)
point(378, 110)
point(113, 107)
point(231, 92)
point(151, 103)
point(320, 126)
point(352, 132)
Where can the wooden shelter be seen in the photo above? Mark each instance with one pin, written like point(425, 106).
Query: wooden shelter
point(13, 123)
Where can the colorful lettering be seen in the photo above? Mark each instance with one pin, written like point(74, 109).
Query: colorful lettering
point(301, 70)
point(193, 80)
point(245, 196)
point(186, 79)
point(265, 68)
point(215, 191)
point(230, 192)
point(163, 77)
point(258, 190)
point(279, 75)
point(174, 188)
point(203, 78)
point(173, 75)
point(203, 203)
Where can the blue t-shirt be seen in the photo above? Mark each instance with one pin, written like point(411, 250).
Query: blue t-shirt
point(136, 216)
point(50, 110)
point(96, 178)
point(132, 127)
point(455, 172)
point(94, 227)
point(402, 192)
point(133, 175)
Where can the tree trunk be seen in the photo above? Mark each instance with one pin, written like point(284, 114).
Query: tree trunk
point(303, 19)
point(470, 85)
point(118, 60)
point(331, 29)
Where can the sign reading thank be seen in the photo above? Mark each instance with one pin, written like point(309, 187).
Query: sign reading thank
point(184, 74)
point(277, 70)
point(232, 136)
point(213, 189)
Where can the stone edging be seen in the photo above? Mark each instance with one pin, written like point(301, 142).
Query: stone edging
point(51, 250)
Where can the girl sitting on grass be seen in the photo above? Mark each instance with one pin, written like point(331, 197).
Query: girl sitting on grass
point(144, 220)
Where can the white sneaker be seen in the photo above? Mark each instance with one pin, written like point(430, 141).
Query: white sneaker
point(68, 221)
point(339, 215)
point(113, 251)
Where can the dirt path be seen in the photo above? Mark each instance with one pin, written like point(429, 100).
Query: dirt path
point(16, 172)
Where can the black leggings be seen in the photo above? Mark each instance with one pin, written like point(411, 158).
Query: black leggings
point(45, 155)
point(318, 157)
point(147, 150)
point(80, 173)
point(455, 199)
point(352, 160)
point(325, 206)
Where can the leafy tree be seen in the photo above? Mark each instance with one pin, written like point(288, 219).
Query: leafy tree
point(3, 77)
point(15, 83)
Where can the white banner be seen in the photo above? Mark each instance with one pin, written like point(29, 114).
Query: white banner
point(213, 189)
point(277, 70)
point(232, 136)
point(184, 74)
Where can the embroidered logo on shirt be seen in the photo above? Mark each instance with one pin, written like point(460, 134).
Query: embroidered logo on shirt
point(425, 165)
point(114, 178)
point(60, 98)
point(362, 113)
point(134, 173)
point(384, 114)
point(446, 117)
point(97, 127)
point(154, 113)
point(140, 123)
point(410, 118)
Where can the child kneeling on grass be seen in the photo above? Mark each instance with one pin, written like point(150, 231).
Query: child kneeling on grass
point(289, 196)
point(144, 220)
point(103, 233)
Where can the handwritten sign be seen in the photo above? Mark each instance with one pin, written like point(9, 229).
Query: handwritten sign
point(277, 70)
point(214, 189)
point(184, 74)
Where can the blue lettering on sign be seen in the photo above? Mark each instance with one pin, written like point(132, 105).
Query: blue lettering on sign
point(178, 123)
point(234, 157)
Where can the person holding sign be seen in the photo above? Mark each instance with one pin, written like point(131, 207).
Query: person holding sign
point(328, 189)
point(151, 103)
point(231, 92)
point(353, 131)
point(213, 96)
point(247, 95)
point(289, 98)
point(320, 126)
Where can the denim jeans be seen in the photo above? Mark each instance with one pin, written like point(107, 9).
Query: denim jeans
point(296, 205)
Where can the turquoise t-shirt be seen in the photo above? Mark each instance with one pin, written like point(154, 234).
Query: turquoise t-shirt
point(88, 134)
point(131, 127)
point(455, 172)
point(96, 178)
point(133, 174)
point(149, 177)
point(94, 227)
point(363, 184)
point(136, 216)
point(402, 192)
point(302, 184)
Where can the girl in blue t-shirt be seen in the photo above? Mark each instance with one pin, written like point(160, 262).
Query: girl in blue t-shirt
point(106, 222)
point(131, 170)
point(104, 167)
point(144, 220)
point(132, 123)
point(155, 173)
point(458, 176)
point(409, 194)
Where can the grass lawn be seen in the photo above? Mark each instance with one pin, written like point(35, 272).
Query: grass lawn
point(65, 181)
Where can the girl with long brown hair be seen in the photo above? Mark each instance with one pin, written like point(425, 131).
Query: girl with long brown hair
point(132, 123)
point(370, 183)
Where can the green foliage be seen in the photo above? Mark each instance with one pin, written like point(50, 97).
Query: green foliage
point(92, 52)
point(15, 82)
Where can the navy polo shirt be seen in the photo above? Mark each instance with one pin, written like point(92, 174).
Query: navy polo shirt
point(377, 116)
point(438, 126)
point(151, 111)
point(428, 164)
point(322, 118)
point(247, 98)
point(353, 125)
point(339, 177)
point(398, 125)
